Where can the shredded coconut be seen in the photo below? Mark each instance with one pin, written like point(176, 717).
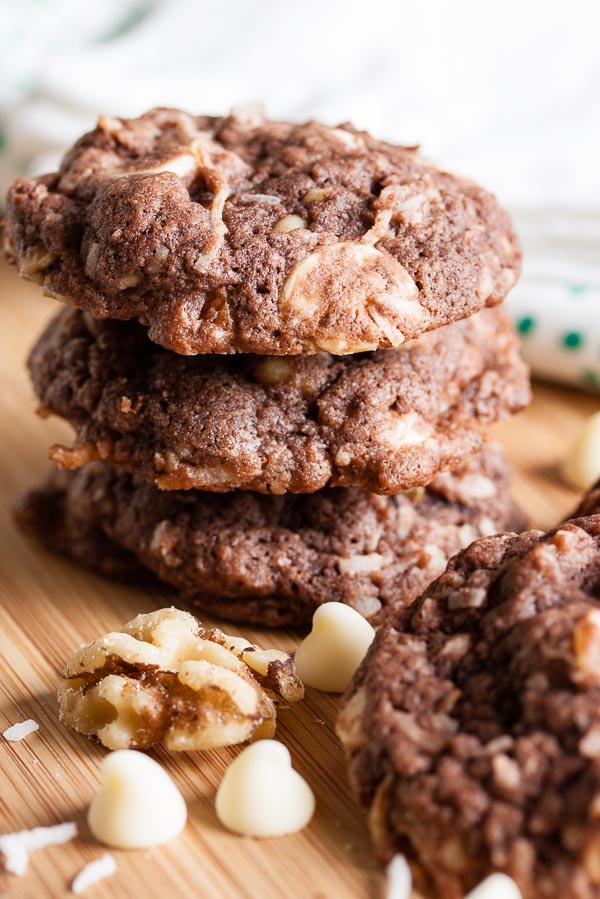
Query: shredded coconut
point(399, 879)
point(102, 867)
point(17, 847)
point(21, 730)
point(361, 564)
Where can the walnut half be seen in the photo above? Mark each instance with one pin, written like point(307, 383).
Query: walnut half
point(165, 679)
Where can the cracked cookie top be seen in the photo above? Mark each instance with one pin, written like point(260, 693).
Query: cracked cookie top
point(237, 234)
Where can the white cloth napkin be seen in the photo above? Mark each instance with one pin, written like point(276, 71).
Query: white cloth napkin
point(508, 93)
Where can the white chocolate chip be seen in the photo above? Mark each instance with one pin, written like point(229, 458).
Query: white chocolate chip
point(316, 194)
point(290, 223)
point(261, 795)
point(138, 805)
point(362, 287)
point(581, 468)
point(274, 370)
point(496, 886)
point(338, 642)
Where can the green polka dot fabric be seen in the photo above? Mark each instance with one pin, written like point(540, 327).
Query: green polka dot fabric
point(559, 325)
point(556, 303)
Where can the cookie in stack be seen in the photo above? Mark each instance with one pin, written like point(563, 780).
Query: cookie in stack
point(471, 728)
point(280, 358)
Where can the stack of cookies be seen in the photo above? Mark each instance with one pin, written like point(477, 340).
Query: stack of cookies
point(280, 357)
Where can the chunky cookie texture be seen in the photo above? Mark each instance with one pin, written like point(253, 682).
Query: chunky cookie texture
point(238, 234)
point(472, 729)
point(272, 559)
point(384, 421)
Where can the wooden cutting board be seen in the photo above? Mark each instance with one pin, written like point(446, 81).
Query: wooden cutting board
point(49, 606)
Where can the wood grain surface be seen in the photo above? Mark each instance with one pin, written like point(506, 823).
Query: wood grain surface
point(49, 606)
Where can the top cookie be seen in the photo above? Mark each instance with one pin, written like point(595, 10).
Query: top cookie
point(237, 234)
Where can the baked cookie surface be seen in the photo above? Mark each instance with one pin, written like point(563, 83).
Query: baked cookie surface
point(239, 234)
point(472, 729)
point(385, 421)
point(272, 559)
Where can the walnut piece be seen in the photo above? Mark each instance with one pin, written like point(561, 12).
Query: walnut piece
point(165, 679)
point(36, 260)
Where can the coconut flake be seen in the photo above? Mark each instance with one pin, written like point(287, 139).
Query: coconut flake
point(102, 867)
point(268, 199)
point(21, 730)
point(361, 564)
point(17, 847)
point(399, 879)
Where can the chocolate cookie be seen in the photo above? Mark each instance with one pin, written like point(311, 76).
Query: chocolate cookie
point(384, 421)
point(273, 559)
point(472, 729)
point(237, 234)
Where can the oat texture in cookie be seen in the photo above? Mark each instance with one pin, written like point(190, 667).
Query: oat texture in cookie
point(385, 421)
point(472, 729)
point(237, 234)
point(165, 679)
point(272, 559)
